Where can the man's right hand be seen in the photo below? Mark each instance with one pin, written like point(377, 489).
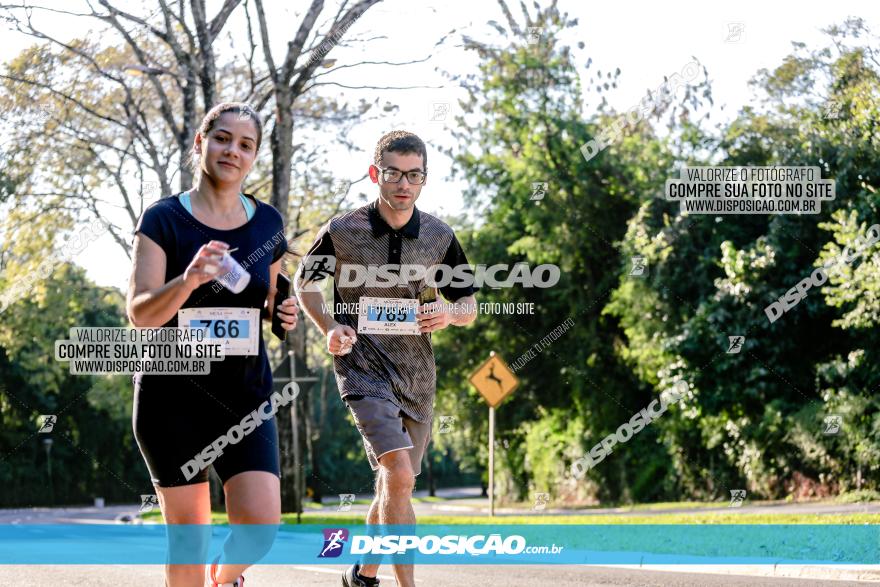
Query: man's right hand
point(340, 339)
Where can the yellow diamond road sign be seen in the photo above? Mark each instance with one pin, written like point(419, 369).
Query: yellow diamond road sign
point(494, 380)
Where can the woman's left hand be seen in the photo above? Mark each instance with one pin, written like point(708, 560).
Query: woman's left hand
point(287, 312)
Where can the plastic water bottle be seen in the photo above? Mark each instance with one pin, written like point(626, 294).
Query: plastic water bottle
point(233, 276)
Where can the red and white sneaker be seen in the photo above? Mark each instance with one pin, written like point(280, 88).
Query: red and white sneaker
point(212, 577)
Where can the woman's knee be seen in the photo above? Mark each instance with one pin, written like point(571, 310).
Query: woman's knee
point(189, 504)
point(187, 513)
point(253, 498)
point(248, 543)
point(188, 544)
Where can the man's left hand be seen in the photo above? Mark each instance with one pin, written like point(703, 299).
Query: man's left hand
point(433, 316)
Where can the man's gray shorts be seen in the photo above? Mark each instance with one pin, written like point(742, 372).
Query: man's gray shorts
point(385, 428)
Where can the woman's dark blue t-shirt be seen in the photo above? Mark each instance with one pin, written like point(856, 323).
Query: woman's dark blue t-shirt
point(260, 243)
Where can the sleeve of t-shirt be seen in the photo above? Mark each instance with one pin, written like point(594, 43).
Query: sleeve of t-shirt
point(320, 262)
point(280, 246)
point(455, 256)
point(155, 224)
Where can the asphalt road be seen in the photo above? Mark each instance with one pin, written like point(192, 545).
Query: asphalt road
point(464, 503)
point(434, 575)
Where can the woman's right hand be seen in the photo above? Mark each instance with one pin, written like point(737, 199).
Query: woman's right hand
point(205, 265)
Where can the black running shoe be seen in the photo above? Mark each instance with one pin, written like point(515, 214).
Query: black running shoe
point(350, 578)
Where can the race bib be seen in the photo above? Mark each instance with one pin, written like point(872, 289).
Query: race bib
point(237, 329)
point(388, 316)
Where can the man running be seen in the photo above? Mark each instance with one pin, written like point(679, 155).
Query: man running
point(383, 358)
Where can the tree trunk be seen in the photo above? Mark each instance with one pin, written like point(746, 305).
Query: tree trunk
point(187, 130)
point(282, 150)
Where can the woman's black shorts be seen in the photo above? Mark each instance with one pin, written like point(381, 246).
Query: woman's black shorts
point(178, 424)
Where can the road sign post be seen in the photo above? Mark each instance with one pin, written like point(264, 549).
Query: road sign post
point(491, 461)
point(495, 381)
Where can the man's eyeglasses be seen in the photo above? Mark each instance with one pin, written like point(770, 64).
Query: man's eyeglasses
point(395, 175)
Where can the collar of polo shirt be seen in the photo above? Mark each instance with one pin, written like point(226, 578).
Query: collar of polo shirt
point(380, 227)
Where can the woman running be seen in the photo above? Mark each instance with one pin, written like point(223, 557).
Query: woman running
point(176, 279)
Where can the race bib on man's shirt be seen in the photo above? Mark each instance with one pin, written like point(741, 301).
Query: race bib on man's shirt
point(388, 316)
point(237, 329)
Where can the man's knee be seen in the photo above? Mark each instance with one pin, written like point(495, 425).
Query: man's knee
point(379, 481)
point(397, 473)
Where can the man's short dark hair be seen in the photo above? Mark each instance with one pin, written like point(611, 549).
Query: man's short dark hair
point(401, 141)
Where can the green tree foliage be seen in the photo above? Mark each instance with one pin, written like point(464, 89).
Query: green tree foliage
point(523, 124)
point(43, 294)
point(757, 419)
point(93, 452)
point(751, 420)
